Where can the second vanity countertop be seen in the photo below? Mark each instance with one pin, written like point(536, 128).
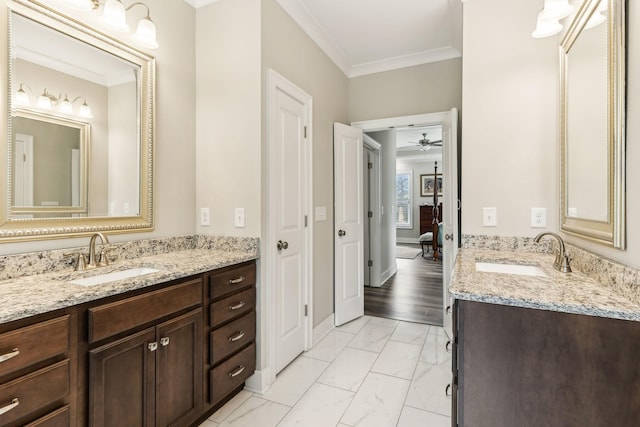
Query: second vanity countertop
point(30, 295)
point(570, 293)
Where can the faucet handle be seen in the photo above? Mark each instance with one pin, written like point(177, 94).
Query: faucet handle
point(565, 265)
point(103, 259)
point(81, 262)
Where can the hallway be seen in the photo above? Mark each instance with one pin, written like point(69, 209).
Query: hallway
point(369, 372)
point(413, 294)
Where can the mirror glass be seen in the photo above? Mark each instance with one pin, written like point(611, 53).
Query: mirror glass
point(592, 74)
point(79, 155)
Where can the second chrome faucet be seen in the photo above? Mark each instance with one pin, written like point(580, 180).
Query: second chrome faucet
point(562, 261)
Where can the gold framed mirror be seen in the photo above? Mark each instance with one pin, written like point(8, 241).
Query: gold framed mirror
point(65, 77)
point(592, 83)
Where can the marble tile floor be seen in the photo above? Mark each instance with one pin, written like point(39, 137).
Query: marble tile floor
point(370, 372)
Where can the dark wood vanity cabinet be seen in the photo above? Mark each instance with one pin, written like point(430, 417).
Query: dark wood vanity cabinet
point(36, 373)
point(153, 376)
point(523, 367)
point(231, 330)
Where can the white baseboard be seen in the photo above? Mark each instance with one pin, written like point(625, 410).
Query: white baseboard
point(389, 272)
point(323, 329)
point(259, 382)
point(413, 240)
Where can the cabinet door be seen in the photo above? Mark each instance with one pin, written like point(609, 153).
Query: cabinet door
point(179, 374)
point(121, 383)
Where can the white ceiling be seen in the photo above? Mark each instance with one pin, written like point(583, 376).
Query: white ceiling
point(370, 36)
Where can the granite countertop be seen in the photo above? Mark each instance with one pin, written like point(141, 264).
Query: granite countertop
point(40, 293)
point(569, 293)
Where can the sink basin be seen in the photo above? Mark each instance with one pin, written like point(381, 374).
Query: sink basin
point(113, 276)
point(522, 270)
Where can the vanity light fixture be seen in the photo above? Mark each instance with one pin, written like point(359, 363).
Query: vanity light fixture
point(548, 23)
point(114, 17)
point(599, 16)
point(47, 101)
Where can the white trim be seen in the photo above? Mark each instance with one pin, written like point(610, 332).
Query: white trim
point(370, 142)
point(320, 331)
point(392, 122)
point(275, 81)
point(196, 4)
point(259, 382)
point(388, 273)
point(411, 60)
point(310, 26)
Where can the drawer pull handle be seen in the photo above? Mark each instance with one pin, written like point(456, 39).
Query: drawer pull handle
point(447, 346)
point(15, 402)
point(153, 346)
point(447, 390)
point(236, 281)
point(448, 309)
point(237, 371)
point(238, 306)
point(13, 353)
point(164, 341)
point(237, 336)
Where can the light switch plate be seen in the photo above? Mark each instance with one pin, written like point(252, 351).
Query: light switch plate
point(490, 217)
point(239, 218)
point(321, 213)
point(204, 217)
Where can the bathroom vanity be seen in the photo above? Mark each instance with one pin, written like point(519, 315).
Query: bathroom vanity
point(552, 350)
point(159, 349)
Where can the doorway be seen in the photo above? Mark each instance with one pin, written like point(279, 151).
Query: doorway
point(413, 276)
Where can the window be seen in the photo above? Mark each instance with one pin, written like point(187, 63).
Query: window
point(404, 217)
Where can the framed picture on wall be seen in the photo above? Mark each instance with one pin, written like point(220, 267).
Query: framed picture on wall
point(429, 183)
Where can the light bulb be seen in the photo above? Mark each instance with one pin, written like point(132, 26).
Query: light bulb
point(85, 111)
point(114, 16)
point(22, 98)
point(66, 107)
point(145, 34)
point(44, 101)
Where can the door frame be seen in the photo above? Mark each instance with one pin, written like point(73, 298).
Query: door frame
point(275, 81)
point(375, 278)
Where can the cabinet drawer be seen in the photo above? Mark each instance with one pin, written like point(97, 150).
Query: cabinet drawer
point(25, 346)
point(231, 280)
point(58, 418)
point(231, 373)
point(111, 319)
point(232, 337)
point(233, 306)
point(33, 391)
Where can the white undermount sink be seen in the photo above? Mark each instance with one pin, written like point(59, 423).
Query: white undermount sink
point(115, 275)
point(522, 270)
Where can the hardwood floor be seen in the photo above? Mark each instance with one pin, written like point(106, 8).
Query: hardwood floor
point(413, 294)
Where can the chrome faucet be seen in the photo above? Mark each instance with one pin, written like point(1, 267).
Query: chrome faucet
point(562, 258)
point(101, 259)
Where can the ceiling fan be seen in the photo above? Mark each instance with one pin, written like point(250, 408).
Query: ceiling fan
point(426, 143)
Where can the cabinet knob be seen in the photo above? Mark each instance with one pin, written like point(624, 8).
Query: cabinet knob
point(447, 390)
point(447, 346)
point(448, 309)
point(13, 353)
point(164, 341)
point(153, 346)
point(15, 402)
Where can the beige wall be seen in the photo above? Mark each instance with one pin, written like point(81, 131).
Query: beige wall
point(175, 126)
point(511, 111)
point(510, 145)
point(228, 107)
point(288, 50)
point(427, 88)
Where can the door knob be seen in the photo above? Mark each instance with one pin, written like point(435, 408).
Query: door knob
point(282, 245)
point(448, 237)
point(342, 233)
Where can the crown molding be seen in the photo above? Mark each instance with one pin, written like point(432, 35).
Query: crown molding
point(196, 4)
point(419, 58)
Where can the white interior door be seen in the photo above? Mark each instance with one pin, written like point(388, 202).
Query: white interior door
point(23, 164)
point(289, 116)
point(349, 223)
point(450, 211)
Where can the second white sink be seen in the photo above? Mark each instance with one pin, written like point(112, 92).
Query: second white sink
point(522, 270)
point(115, 275)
